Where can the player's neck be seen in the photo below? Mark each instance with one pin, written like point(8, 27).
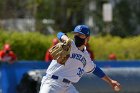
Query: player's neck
point(81, 47)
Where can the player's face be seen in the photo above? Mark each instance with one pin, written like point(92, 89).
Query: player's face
point(82, 36)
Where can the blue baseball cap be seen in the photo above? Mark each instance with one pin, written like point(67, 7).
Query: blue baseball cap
point(82, 29)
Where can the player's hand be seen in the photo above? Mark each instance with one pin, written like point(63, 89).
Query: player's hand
point(115, 85)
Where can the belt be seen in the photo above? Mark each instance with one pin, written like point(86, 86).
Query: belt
point(57, 77)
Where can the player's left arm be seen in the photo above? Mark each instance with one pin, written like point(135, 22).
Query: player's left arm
point(114, 84)
point(62, 36)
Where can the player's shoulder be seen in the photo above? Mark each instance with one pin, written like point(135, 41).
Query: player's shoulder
point(73, 44)
point(85, 48)
point(86, 53)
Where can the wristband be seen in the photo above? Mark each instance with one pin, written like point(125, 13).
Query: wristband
point(59, 35)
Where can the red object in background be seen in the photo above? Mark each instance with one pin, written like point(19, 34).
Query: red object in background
point(7, 55)
point(91, 53)
point(48, 57)
point(55, 41)
point(112, 57)
point(6, 47)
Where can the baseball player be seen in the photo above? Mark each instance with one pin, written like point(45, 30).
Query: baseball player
point(60, 75)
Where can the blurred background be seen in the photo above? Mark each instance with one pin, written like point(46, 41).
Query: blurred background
point(29, 27)
point(121, 17)
point(114, 24)
point(117, 17)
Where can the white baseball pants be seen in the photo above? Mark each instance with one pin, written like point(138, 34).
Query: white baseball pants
point(49, 85)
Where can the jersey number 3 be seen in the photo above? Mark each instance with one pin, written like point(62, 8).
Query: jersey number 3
point(81, 71)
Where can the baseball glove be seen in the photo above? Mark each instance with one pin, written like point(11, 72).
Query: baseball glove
point(61, 51)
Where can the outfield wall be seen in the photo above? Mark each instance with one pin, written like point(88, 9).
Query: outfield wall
point(126, 72)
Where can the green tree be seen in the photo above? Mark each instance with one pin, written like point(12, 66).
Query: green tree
point(122, 16)
point(66, 13)
point(125, 17)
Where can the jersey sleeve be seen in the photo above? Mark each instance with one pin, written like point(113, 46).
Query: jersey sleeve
point(90, 66)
